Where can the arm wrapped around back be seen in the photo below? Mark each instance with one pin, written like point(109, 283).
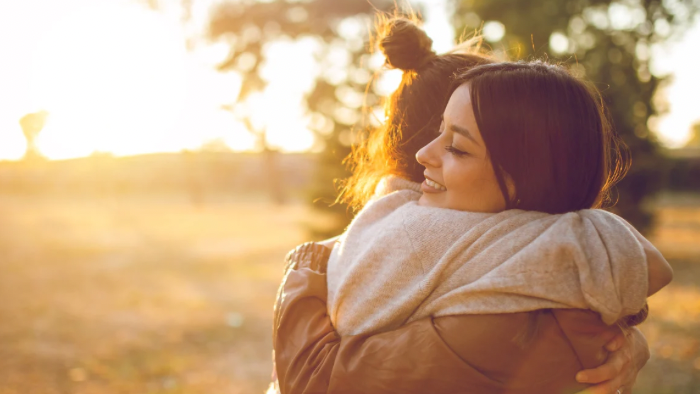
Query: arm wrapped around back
point(512, 353)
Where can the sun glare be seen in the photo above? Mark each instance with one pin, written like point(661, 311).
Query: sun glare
point(112, 79)
point(116, 77)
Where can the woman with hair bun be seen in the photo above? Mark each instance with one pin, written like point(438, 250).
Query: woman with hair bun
point(466, 326)
point(412, 112)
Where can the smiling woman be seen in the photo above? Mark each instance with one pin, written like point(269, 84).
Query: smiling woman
point(458, 169)
point(112, 78)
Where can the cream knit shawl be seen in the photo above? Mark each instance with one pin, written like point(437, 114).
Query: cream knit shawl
point(399, 261)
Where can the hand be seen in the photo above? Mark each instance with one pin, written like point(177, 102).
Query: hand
point(629, 352)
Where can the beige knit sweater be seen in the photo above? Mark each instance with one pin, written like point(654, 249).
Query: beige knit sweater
point(399, 261)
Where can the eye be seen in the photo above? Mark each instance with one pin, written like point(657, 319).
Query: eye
point(455, 151)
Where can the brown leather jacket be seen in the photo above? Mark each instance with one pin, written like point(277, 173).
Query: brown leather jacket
point(531, 352)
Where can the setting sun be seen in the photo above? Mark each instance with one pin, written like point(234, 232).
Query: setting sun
point(112, 79)
point(116, 77)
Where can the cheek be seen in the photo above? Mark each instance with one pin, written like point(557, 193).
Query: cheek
point(473, 185)
point(486, 176)
point(463, 177)
point(488, 184)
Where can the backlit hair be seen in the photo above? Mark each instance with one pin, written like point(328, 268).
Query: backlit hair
point(412, 112)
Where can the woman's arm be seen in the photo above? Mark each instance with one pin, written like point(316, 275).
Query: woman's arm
point(629, 354)
point(310, 357)
point(418, 357)
point(659, 271)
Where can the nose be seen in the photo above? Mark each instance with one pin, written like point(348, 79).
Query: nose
point(426, 155)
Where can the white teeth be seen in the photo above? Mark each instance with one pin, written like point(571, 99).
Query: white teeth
point(435, 185)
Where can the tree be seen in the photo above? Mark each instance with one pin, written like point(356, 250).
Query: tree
point(32, 124)
point(610, 43)
point(694, 137)
point(607, 41)
point(334, 104)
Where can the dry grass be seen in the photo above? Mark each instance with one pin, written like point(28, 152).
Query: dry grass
point(673, 328)
point(139, 296)
point(155, 295)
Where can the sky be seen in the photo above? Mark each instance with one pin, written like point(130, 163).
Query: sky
point(679, 60)
point(116, 77)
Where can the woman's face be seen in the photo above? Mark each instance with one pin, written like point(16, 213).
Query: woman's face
point(458, 171)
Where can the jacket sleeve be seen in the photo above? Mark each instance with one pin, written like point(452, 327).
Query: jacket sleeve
point(310, 357)
point(465, 353)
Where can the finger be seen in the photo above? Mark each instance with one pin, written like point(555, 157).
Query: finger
point(616, 343)
point(610, 370)
point(628, 383)
point(609, 387)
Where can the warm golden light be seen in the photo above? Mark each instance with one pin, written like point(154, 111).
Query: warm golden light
point(116, 77)
point(113, 80)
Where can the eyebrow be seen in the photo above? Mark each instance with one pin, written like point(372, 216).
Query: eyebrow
point(464, 132)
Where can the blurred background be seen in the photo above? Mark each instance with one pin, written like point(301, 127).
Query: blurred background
point(160, 157)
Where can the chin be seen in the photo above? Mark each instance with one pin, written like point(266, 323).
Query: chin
point(426, 201)
point(423, 201)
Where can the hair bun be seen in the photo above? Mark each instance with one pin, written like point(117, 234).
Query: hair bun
point(404, 44)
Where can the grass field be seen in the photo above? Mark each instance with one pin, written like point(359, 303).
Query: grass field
point(155, 295)
point(673, 328)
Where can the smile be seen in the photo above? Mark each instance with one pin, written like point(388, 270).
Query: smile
point(434, 184)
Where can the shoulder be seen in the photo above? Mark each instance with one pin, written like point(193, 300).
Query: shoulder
point(310, 255)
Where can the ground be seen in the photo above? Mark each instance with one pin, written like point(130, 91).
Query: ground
point(157, 295)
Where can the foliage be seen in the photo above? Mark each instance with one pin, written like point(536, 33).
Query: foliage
point(334, 104)
point(685, 165)
point(695, 136)
point(608, 42)
point(684, 175)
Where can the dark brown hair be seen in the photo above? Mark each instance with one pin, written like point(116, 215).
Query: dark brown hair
point(546, 131)
point(412, 112)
